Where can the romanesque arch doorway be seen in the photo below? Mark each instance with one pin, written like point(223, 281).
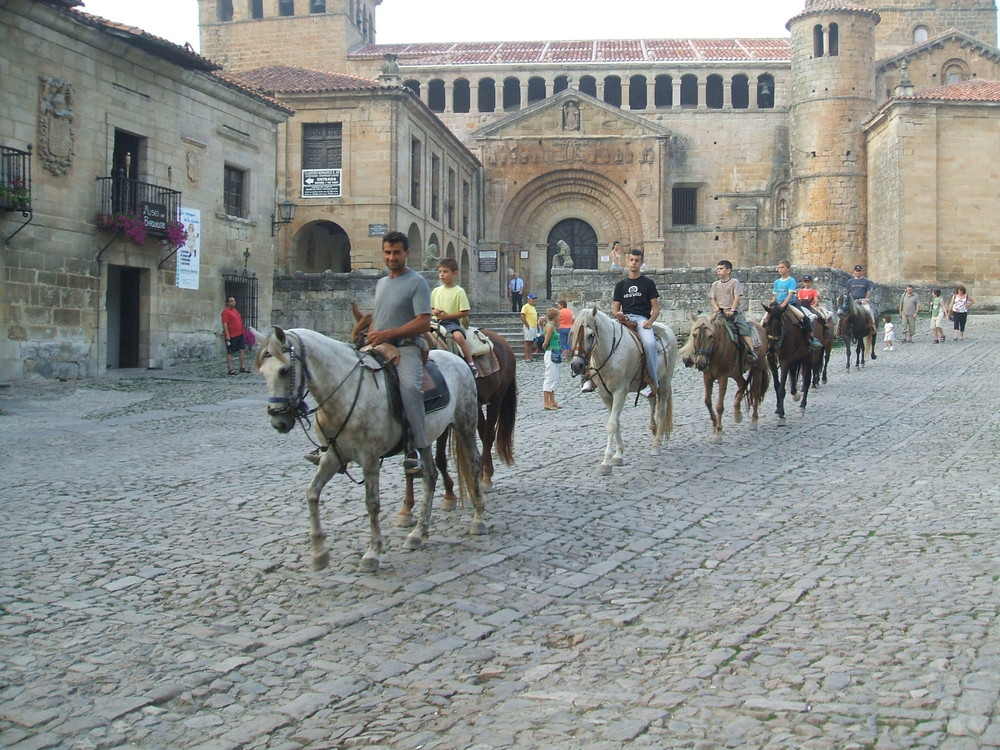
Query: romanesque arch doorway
point(582, 240)
point(322, 245)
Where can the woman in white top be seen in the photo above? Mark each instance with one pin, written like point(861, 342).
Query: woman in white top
point(958, 307)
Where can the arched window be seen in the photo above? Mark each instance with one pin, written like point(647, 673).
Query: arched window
point(511, 94)
point(561, 83)
point(920, 34)
point(713, 92)
point(613, 91)
point(225, 10)
point(637, 98)
point(461, 96)
point(536, 89)
point(413, 86)
point(817, 41)
point(435, 95)
point(834, 40)
point(256, 8)
point(782, 213)
point(588, 85)
point(663, 91)
point(689, 90)
point(317, 6)
point(487, 95)
point(954, 71)
point(740, 91)
point(765, 91)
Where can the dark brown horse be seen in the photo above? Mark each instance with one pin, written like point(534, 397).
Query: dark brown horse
point(497, 392)
point(821, 357)
point(788, 355)
point(856, 325)
point(712, 350)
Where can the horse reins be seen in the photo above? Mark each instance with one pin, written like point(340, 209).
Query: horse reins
point(586, 354)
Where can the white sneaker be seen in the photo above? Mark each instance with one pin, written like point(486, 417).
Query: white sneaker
point(647, 392)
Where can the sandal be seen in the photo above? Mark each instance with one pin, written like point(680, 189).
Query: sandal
point(243, 369)
point(232, 372)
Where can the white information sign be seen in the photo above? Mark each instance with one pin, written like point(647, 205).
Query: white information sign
point(188, 254)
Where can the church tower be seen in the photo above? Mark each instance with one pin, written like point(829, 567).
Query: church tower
point(246, 34)
point(833, 91)
point(908, 22)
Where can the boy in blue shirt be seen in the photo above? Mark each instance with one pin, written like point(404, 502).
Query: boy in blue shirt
point(785, 292)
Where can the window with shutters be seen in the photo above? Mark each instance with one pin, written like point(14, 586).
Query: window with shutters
point(322, 145)
point(415, 172)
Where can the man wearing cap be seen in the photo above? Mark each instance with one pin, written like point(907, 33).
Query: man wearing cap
point(862, 289)
point(529, 319)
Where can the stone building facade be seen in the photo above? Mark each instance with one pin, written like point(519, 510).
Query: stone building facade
point(394, 165)
point(129, 136)
point(690, 149)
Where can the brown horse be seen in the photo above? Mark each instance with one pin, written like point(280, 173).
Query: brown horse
point(788, 354)
point(858, 326)
point(497, 392)
point(821, 357)
point(712, 350)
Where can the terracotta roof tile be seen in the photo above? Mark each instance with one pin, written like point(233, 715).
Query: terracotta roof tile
point(286, 79)
point(973, 90)
point(585, 51)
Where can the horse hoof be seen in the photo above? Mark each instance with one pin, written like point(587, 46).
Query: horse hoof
point(604, 469)
point(616, 461)
point(796, 397)
point(477, 528)
point(717, 437)
point(737, 418)
point(654, 451)
point(449, 502)
point(404, 520)
point(782, 422)
point(369, 564)
point(320, 561)
point(485, 485)
point(753, 425)
point(413, 540)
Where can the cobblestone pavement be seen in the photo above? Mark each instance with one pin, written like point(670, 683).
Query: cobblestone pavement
point(829, 584)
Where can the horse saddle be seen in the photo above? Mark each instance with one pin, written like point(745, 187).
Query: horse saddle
point(385, 357)
point(479, 344)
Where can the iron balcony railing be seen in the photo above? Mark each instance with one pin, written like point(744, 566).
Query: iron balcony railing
point(15, 179)
point(153, 205)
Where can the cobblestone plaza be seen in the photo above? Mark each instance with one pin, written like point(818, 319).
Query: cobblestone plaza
point(829, 584)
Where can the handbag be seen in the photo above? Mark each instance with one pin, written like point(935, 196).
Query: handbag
point(555, 356)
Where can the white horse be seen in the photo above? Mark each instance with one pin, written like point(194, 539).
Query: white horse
point(354, 419)
point(612, 355)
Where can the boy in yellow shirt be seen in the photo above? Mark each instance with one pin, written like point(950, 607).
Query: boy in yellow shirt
point(450, 307)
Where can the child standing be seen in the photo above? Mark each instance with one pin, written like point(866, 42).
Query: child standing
point(450, 306)
point(889, 334)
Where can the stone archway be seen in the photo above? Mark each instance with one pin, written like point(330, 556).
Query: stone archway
point(321, 246)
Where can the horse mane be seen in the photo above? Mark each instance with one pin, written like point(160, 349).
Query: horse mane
point(701, 320)
point(361, 327)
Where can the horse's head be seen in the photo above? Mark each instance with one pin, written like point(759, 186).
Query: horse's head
point(698, 350)
point(280, 375)
point(583, 337)
point(359, 335)
point(774, 322)
point(843, 305)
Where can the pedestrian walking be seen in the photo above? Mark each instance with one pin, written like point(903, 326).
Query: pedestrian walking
point(232, 332)
point(938, 316)
point(958, 307)
point(909, 306)
point(550, 345)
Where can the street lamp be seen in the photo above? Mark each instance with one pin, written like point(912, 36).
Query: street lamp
point(286, 212)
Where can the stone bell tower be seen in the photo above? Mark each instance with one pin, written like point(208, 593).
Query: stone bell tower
point(246, 34)
point(833, 91)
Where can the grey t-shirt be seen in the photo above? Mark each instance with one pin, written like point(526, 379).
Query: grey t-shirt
point(399, 300)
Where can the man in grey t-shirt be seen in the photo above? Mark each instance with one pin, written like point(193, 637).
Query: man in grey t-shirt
point(402, 315)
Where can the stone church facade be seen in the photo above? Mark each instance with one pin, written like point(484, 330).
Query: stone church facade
point(867, 135)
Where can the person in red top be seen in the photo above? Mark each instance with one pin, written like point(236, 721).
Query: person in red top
point(232, 332)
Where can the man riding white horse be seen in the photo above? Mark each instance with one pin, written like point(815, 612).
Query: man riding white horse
point(636, 299)
point(402, 315)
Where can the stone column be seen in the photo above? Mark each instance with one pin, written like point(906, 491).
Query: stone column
point(449, 97)
point(651, 93)
point(626, 92)
point(702, 100)
point(676, 83)
point(474, 98)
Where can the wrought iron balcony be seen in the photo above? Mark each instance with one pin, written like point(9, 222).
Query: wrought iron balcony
point(15, 179)
point(152, 205)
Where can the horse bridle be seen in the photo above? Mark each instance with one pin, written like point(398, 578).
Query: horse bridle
point(586, 354)
point(703, 333)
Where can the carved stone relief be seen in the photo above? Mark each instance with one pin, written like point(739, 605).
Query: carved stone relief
point(193, 165)
point(56, 137)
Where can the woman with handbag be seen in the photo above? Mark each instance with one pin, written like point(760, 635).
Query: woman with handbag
point(958, 307)
point(553, 356)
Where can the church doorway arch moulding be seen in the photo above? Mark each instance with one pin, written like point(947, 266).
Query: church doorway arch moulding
point(528, 219)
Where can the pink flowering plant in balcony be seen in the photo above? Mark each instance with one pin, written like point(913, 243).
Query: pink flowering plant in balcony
point(176, 235)
point(15, 194)
point(129, 225)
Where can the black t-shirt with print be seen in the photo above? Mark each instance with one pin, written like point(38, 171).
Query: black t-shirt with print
point(636, 295)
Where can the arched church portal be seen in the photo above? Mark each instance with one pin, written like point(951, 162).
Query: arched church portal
point(320, 246)
point(582, 241)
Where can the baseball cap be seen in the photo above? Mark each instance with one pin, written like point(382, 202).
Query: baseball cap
point(532, 296)
point(858, 268)
point(807, 277)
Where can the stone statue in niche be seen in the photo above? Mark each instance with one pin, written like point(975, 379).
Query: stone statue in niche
point(55, 124)
point(571, 116)
point(564, 257)
point(390, 69)
point(432, 256)
point(193, 166)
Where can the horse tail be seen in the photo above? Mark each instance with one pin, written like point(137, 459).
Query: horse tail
point(667, 425)
point(505, 424)
point(468, 466)
point(758, 379)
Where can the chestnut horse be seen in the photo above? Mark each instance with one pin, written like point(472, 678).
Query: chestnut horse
point(496, 391)
point(788, 354)
point(711, 349)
